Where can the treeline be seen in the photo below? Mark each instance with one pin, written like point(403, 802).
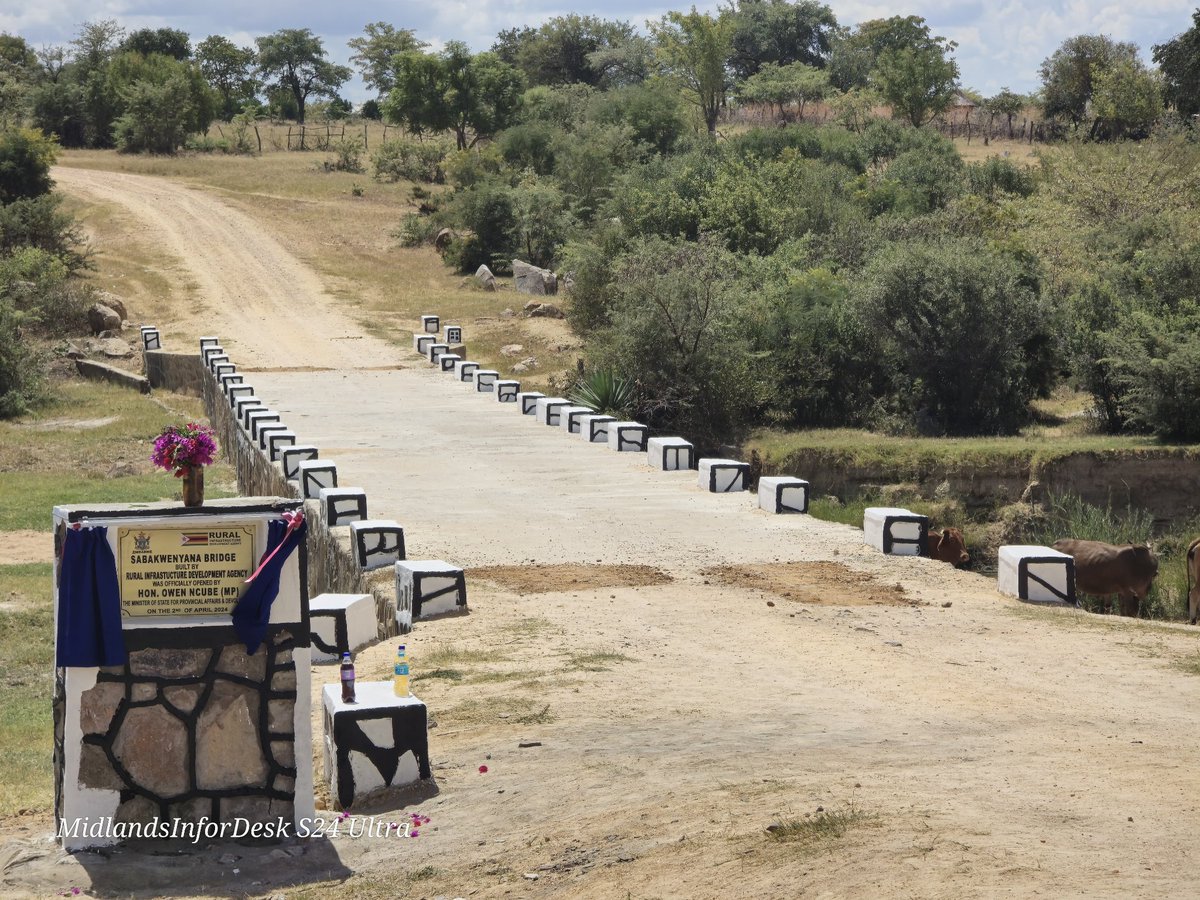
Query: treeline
point(151, 88)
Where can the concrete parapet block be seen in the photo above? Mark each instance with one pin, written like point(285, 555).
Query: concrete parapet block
point(243, 406)
point(628, 437)
point(237, 391)
point(341, 623)
point(527, 402)
point(549, 409)
point(431, 324)
point(291, 458)
point(377, 543)
point(435, 350)
point(220, 370)
point(783, 494)
point(256, 418)
point(277, 441)
point(428, 587)
point(464, 370)
point(151, 339)
point(209, 341)
point(669, 454)
point(723, 476)
point(422, 342)
point(593, 428)
point(208, 351)
point(485, 380)
point(570, 416)
point(380, 741)
point(230, 378)
point(896, 531)
point(447, 360)
point(265, 430)
point(314, 474)
point(507, 390)
point(1037, 574)
point(343, 505)
point(452, 334)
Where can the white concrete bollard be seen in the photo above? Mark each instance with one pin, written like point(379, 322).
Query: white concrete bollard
point(783, 494)
point(627, 437)
point(209, 341)
point(549, 409)
point(485, 380)
point(594, 428)
point(896, 531)
point(464, 370)
point(670, 453)
point(314, 474)
point(343, 505)
point(723, 476)
point(1037, 574)
point(452, 335)
point(527, 402)
point(436, 350)
point(422, 342)
point(377, 543)
point(430, 587)
point(507, 390)
point(340, 623)
point(277, 441)
point(151, 339)
point(239, 390)
point(431, 324)
point(265, 430)
point(230, 378)
point(243, 405)
point(447, 360)
point(569, 417)
point(258, 416)
point(291, 458)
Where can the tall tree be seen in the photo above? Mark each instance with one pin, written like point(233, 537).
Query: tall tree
point(560, 50)
point(783, 85)
point(1127, 99)
point(694, 48)
point(294, 59)
point(1179, 61)
point(229, 69)
point(853, 53)
point(166, 41)
point(1067, 74)
point(918, 82)
point(377, 52)
point(1007, 104)
point(781, 32)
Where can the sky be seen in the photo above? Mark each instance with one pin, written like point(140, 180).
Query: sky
point(1000, 43)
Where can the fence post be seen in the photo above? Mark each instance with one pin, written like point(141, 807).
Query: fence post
point(258, 137)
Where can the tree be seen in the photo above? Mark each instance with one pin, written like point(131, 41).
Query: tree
point(559, 51)
point(474, 95)
point(784, 85)
point(229, 69)
point(917, 82)
point(159, 102)
point(166, 41)
point(1179, 61)
point(623, 64)
point(377, 52)
point(294, 59)
point(1127, 99)
point(1067, 74)
point(1007, 104)
point(853, 54)
point(780, 32)
point(96, 43)
point(694, 48)
point(18, 71)
point(26, 156)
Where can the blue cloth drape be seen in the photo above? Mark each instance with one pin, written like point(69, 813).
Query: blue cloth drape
point(253, 611)
point(89, 602)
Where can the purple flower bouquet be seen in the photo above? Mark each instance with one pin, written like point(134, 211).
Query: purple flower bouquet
point(181, 448)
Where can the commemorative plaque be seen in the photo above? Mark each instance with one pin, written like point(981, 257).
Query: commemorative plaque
point(183, 571)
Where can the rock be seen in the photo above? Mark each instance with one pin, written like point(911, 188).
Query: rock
point(547, 311)
point(443, 239)
point(152, 746)
point(113, 302)
point(520, 369)
point(169, 663)
point(115, 348)
point(486, 278)
point(531, 306)
point(96, 772)
point(511, 349)
point(507, 314)
point(73, 352)
point(102, 318)
point(98, 705)
point(183, 698)
point(236, 661)
point(530, 362)
point(529, 279)
point(280, 716)
point(228, 750)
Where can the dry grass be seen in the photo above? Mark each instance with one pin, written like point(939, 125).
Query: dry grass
point(814, 830)
point(1019, 152)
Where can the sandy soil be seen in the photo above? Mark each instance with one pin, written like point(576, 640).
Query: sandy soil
point(26, 547)
point(640, 737)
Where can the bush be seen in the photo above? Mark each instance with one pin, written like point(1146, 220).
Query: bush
point(21, 377)
point(347, 155)
point(39, 222)
point(529, 146)
point(416, 230)
point(158, 117)
point(26, 156)
point(410, 160)
point(960, 331)
point(998, 175)
point(488, 211)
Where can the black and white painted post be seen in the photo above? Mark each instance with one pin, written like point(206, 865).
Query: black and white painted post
point(896, 531)
point(783, 494)
point(723, 476)
point(670, 453)
point(1037, 574)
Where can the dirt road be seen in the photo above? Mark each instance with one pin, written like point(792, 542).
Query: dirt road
point(753, 671)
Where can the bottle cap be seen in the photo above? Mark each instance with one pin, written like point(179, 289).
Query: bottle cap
point(401, 648)
point(346, 654)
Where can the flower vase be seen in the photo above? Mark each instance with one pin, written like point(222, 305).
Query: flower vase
point(193, 486)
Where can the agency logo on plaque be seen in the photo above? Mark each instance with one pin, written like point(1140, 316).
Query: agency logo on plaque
point(183, 572)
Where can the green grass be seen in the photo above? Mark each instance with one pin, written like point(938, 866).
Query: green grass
point(27, 679)
point(47, 458)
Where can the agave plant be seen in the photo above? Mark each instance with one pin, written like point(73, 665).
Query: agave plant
point(605, 392)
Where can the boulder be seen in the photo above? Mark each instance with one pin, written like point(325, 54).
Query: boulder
point(103, 318)
point(507, 314)
point(113, 302)
point(528, 279)
point(512, 349)
point(547, 311)
point(115, 348)
point(486, 278)
point(443, 239)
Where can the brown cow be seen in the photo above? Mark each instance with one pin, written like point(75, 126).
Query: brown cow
point(949, 546)
point(1193, 572)
point(1102, 569)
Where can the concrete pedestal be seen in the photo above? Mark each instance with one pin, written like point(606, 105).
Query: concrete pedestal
point(670, 453)
point(723, 476)
point(594, 428)
point(1037, 574)
point(377, 543)
point(527, 402)
point(783, 494)
point(899, 532)
point(428, 587)
point(341, 623)
point(314, 474)
point(549, 410)
point(507, 391)
point(570, 417)
point(628, 437)
point(343, 505)
point(291, 458)
point(485, 380)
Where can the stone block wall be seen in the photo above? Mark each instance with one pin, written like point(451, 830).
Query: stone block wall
point(191, 728)
point(179, 372)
